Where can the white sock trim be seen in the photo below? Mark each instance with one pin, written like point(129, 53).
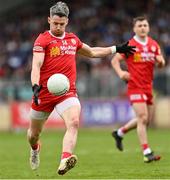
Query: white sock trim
point(120, 133)
point(147, 151)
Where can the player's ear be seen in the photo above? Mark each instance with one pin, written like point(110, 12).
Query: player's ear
point(49, 20)
point(67, 21)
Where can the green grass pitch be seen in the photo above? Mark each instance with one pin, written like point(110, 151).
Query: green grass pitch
point(97, 156)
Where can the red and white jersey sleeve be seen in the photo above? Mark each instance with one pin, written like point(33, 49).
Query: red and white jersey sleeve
point(79, 44)
point(158, 49)
point(40, 44)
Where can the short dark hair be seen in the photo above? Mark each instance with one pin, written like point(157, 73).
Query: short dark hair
point(139, 18)
point(60, 8)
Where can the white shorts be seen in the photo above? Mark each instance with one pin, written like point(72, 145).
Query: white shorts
point(60, 108)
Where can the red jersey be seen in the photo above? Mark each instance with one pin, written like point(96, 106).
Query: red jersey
point(60, 54)
point(141, 64)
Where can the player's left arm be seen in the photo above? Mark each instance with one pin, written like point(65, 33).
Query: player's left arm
point(94, 52)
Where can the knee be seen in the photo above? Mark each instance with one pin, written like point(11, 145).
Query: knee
point(75, 122)
point(143, 118)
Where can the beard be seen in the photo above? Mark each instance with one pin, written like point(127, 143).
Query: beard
point(57, 33)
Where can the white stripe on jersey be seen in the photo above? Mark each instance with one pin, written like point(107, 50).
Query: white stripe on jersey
point(38, 48)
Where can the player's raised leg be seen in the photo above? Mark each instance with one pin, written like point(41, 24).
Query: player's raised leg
point(118, 134)
point(71, 118)
point(33, 135)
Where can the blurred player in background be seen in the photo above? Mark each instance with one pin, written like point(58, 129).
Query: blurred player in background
point(54, 51)
point(139, 78)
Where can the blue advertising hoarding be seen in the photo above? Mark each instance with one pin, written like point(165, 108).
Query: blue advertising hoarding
point(106, 112)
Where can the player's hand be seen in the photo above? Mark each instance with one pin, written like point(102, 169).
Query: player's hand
point(160, 63)
point(36, 90)
point(124, 48)
point(125, 76)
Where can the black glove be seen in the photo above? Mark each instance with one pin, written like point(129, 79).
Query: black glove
point(124, 48)
point(36, 90)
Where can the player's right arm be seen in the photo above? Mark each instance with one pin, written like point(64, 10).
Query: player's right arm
point(124, 75)
point(37, 62)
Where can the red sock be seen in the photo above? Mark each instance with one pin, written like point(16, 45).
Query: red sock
point(35, 146)
point(65, 155)
point(124, 130)
point(145, 146)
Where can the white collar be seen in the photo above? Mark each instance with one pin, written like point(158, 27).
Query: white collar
point(58, 37)
point(137, 38)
